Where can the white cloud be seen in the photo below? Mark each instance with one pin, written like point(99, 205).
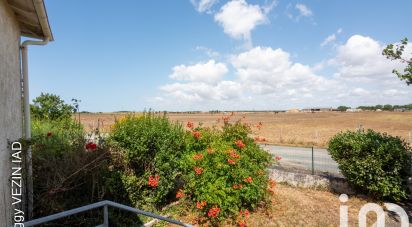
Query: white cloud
point(209, 52)
point(266, 78)
point(330, 38)
point(238, 18)
point(209, 72)
point(361, 58)
point(204, 5)
point(303, 10)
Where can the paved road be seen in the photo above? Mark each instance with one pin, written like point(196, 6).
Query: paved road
point(301, 158)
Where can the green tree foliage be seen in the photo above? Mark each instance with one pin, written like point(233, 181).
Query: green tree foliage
point(343, 108)
point(50, 107)
point(375, 163)
point(393, 52)
point(386, 107)
point(150, 148)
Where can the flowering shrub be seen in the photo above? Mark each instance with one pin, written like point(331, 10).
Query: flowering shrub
point(65, 175)
point(225, 171)
point(149, 148)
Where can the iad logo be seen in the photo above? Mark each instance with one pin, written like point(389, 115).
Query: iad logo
point(374, 208)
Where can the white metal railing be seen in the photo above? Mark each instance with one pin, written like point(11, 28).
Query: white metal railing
point(105, 204)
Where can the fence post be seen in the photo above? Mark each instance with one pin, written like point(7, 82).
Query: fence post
point(106, 216)
point(313, 163)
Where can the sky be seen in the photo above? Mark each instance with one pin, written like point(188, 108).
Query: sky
point(221, 55)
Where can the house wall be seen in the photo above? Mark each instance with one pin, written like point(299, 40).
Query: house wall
point(10, 103)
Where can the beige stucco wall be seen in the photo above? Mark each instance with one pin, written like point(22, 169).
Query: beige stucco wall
point(10, 102)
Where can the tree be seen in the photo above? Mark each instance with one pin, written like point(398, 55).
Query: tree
point(396, 54)
point(50, 107)
point(343, 108)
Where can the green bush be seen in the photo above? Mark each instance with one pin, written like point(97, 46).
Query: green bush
point(378, 164)
point(66, 174)
point(150, 149)
point(225, 171)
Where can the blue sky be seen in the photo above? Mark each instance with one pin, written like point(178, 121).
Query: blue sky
point(215, 54)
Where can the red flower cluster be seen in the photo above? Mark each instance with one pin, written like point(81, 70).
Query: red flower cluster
point(244, 213)
point(278, 158)
point(49, 134)
point(231, 162)
point(200, 205)
point(260, 139)
point(210, 151)
point(237, 186)
point(233, 154)
point(190, 125)
point(196, 134)
point(180, 194)
point(240, 144)
point(243, 216)
point(241, 223)
point(153, 181)
point(198, 170)
point(272, 183)
point(91, 146)
point(197, 157)
point(249, 179)
point(213, 212)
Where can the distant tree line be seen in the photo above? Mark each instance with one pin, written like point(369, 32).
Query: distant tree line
point(387, 107)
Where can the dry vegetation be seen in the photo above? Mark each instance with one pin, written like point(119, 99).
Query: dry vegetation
point(301, 129)
point(307, 207)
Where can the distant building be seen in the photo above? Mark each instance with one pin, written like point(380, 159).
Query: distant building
point(293, 111)
point(353, 110)
point(400, 110)
point(317, 109)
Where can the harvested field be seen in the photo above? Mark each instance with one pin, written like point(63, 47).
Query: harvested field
point(299, 129)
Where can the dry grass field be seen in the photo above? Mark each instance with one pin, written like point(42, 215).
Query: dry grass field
point(299, 129)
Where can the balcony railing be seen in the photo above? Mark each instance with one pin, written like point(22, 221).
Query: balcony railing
point(105, 205)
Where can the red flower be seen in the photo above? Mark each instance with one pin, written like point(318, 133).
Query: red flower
point(240, 144)
point(200, 205)
point(278, 158)
point(91, 146)
point(180, 194)
point(242, 223)
point(233, 154)
point(237, 186)
point(153, 181)
point(249, 179)
point(190, 125)
point(49, 134)
point(231, 162)
point(213, 212)
point(259, 139)
point(198, 170)
point(272, 183)
point(196, 134)
point(271, 191)
point(197, 156)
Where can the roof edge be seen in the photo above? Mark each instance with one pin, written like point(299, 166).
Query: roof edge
point(43, 19)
